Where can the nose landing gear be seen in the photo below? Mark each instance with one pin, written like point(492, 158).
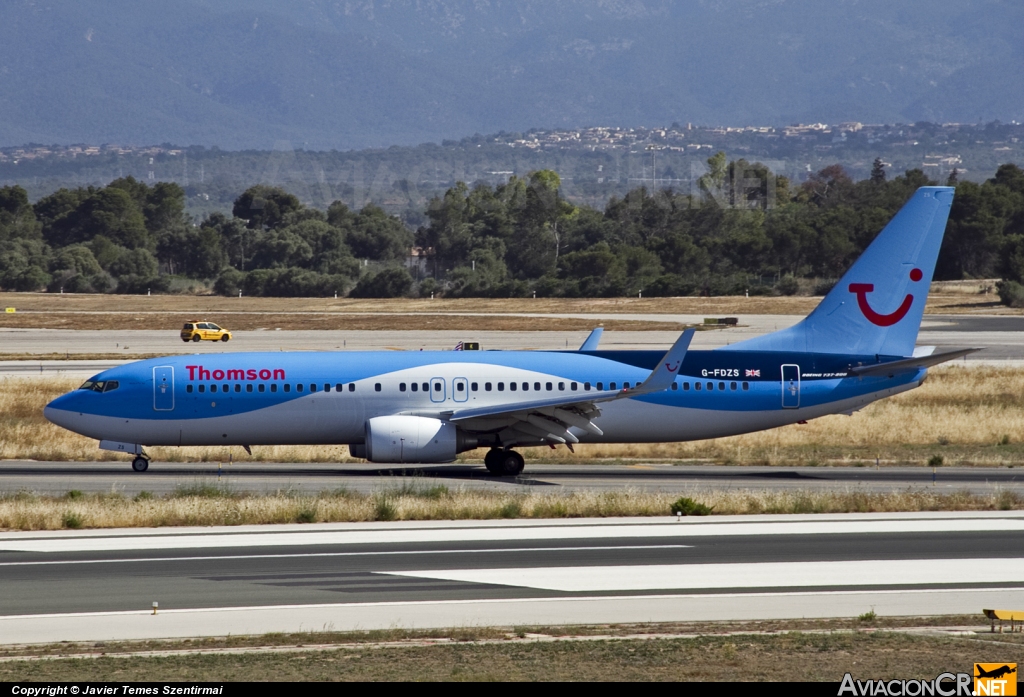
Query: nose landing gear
point(140, 463)
point(503, 462)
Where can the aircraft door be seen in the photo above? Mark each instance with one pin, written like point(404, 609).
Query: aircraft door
point(437, 391)
point(790, 386)
point(460, 390)
point(163, 388)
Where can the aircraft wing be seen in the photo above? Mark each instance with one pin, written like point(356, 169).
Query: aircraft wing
point(550, 419)
point(907, 364)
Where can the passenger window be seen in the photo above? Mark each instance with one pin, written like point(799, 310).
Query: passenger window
point(711, 385)
point(501, 387)
point(426, 387)
point(487, 387)
point(238, 388)
point(746, 385)
point(548, 386)
point(327, 387)
point(536, 386)
point(248, 388)
point(686, 387)
point(526, 387)
point(459, 387)
point(697, 386)
point(675, 385)
point(721, 386)
point(312, 387)
point(475, 387)
point(625, 385)
point(213, 388)
point(611, 386)
point(572, 386)
point(351, 387)
point(188, 388)
point(732, 385)
point(337, 388)
point(298, 387)
point(273, 387)
point(202, 388)
point(376, 387)
point(512, 386)
point(561, 387)
point(437, 387)
point(600, 387)
point(287, 387)
point(401, 387)
point(586, 386)
point(415, 387)
point(263, 388)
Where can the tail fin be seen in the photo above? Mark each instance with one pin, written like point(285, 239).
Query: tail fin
point(876, 307)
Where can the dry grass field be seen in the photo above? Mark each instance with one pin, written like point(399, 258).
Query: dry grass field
point(966, 416)
point(521, 654)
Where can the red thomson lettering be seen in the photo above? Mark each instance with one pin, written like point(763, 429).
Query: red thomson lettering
point(236, 375)
point(264, 374)
point(204, 374)
point(278, 374)
point(198, 372)
point(218, 375)
point(250, 374)
point(191, 371)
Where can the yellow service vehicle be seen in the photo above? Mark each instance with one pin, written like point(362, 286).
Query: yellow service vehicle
point(197, 331)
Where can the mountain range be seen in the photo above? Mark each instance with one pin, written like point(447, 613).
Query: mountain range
point(343, 74)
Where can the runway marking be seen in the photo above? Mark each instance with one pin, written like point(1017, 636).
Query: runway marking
point(524, 601)
point(340, 554)
point(74, 543)
point(757, 575)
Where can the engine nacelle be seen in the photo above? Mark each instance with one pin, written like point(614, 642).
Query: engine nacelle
point(411, 439)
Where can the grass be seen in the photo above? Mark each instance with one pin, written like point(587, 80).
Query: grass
point(524, 654)
point(964, 416)
point(213, 506)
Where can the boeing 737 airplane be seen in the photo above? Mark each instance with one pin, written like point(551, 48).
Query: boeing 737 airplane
point(856, 347)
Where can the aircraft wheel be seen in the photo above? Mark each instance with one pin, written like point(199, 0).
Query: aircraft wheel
point(512, 463)
point(140, 464)
point(492, 460)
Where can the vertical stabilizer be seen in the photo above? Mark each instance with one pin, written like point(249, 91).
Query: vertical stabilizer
point(876, 307)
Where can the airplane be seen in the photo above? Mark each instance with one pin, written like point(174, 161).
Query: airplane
point(856, 347)
point(995, 673)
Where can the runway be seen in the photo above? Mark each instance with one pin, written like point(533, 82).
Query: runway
point(365, 478)
point(1002, 338)
point(101, 584)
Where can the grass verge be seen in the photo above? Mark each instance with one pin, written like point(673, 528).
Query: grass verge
point(801, 651)
point(203, 506)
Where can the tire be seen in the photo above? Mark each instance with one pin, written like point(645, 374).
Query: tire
point(196, 338)
point(225, 337)
point(140, 464)
point(512, 463)
point(492, 460)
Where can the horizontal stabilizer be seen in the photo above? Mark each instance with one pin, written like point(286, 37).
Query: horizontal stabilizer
point(908, 364)
point(593, 340)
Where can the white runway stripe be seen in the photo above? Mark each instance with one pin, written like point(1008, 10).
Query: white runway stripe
point(762, 575)
point(163, 540)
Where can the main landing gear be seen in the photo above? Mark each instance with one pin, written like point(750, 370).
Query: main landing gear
point(140, 463)
point(504, 463)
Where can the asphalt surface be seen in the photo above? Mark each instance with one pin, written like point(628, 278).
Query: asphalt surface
point(165, 478)
point(594, 570)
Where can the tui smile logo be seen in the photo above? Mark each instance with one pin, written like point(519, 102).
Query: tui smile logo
point(876, 318)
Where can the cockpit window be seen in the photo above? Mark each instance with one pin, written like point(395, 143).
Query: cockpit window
point(100, 385)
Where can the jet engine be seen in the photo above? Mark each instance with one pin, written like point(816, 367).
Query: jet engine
point(411, 439)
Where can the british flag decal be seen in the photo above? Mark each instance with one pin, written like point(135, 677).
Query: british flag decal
point(753, 373)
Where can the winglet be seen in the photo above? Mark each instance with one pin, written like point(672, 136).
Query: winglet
point(662, 377)
point(591, 343)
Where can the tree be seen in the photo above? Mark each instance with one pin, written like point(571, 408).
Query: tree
point(878, 171)
point(389, 283)
point(264, 207)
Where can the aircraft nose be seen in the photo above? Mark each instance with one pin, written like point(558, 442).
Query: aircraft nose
point(58, 412)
